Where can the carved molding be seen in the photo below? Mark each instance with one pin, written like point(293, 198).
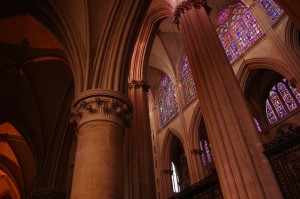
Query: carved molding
point(101, 106)
point(187, 5)
point(134, 84)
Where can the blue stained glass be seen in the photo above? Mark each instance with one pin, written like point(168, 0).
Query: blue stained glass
point(205, 150)
point(295, 92)
point(270, 113)
point(271, 8)
point(242, 31)
point(286, 96)
point(277, 104)
point(168, 107)
point(187, 81)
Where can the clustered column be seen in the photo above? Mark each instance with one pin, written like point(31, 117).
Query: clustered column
point(100, 117)
point(243, 170)
point(141, 166)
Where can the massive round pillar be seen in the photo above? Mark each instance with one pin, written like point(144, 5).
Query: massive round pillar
point(100, 117)
point(243, 170)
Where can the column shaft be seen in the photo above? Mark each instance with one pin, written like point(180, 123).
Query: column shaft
point(99, 168)
point(141, 166)
point(242, 167)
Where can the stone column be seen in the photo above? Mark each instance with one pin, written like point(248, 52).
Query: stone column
point(292, 9)
point(100, 117)
point(141, 166)
point(243, 170)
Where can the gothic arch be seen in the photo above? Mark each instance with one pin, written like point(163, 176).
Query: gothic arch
point(261, 63)
point(157, 12)
point(193, 138)
point(165, 158)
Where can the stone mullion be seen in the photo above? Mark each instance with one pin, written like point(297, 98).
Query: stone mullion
point(231, 130)
point(141, 169)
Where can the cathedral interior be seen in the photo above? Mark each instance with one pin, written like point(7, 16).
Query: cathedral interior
point(161, 99)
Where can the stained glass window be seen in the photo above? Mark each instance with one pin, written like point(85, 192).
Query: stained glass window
point(295, 92)
point(271, 8)
point(257, 124)
point(168, 107)
point(277, 104)
point(286, 96)
point(205, 150)
point(283, 98)
point(187, 81)
point(270, 113)
point(237, 30)
point(175, 179)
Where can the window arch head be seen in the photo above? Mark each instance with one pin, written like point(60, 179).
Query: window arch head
point(237, 30)
point(282, 99)
point(168, 107)
point(187, 81)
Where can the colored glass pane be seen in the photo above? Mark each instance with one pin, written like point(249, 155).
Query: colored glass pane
point(237, 30)
point(257, 124)
point(277, 104)
point(270, 113)
point(168, 107)
point(205, 150)
point(271, 8)
point(187, 81)
point(244, 26)
point(286, 96)
point(223, 15)
point(295, 92)
point(228, 42)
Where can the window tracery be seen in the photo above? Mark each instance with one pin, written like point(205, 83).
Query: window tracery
point(237, 30)
point(271, 8)
point(168, 107)
point(283, 98)
point(187, 81)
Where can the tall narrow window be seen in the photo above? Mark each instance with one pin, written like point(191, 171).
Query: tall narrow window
point(271, 8)
point(257, 124)
point(283, 98)
point(237, 30)
point(205, 150)
point(175, 179)
point(187, 81)
point(270, 113)
point(168, 107)
point(286, 96)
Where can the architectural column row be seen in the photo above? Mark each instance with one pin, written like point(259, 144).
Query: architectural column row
point(242, 168)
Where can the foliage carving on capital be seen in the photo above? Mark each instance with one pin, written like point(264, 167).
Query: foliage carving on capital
point(187, 5)
point(100, 108)
point(134, 84)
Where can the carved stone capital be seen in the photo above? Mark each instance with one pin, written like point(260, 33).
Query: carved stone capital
point(187, 5)
point(101, 105)
point(134, 84)
point(47, 194)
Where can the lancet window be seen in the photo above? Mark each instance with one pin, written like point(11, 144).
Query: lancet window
point(237, 30)
point(168, 106)
point(282, 99)
point(187, 81)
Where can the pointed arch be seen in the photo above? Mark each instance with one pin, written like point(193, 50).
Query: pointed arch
point(261, 63)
